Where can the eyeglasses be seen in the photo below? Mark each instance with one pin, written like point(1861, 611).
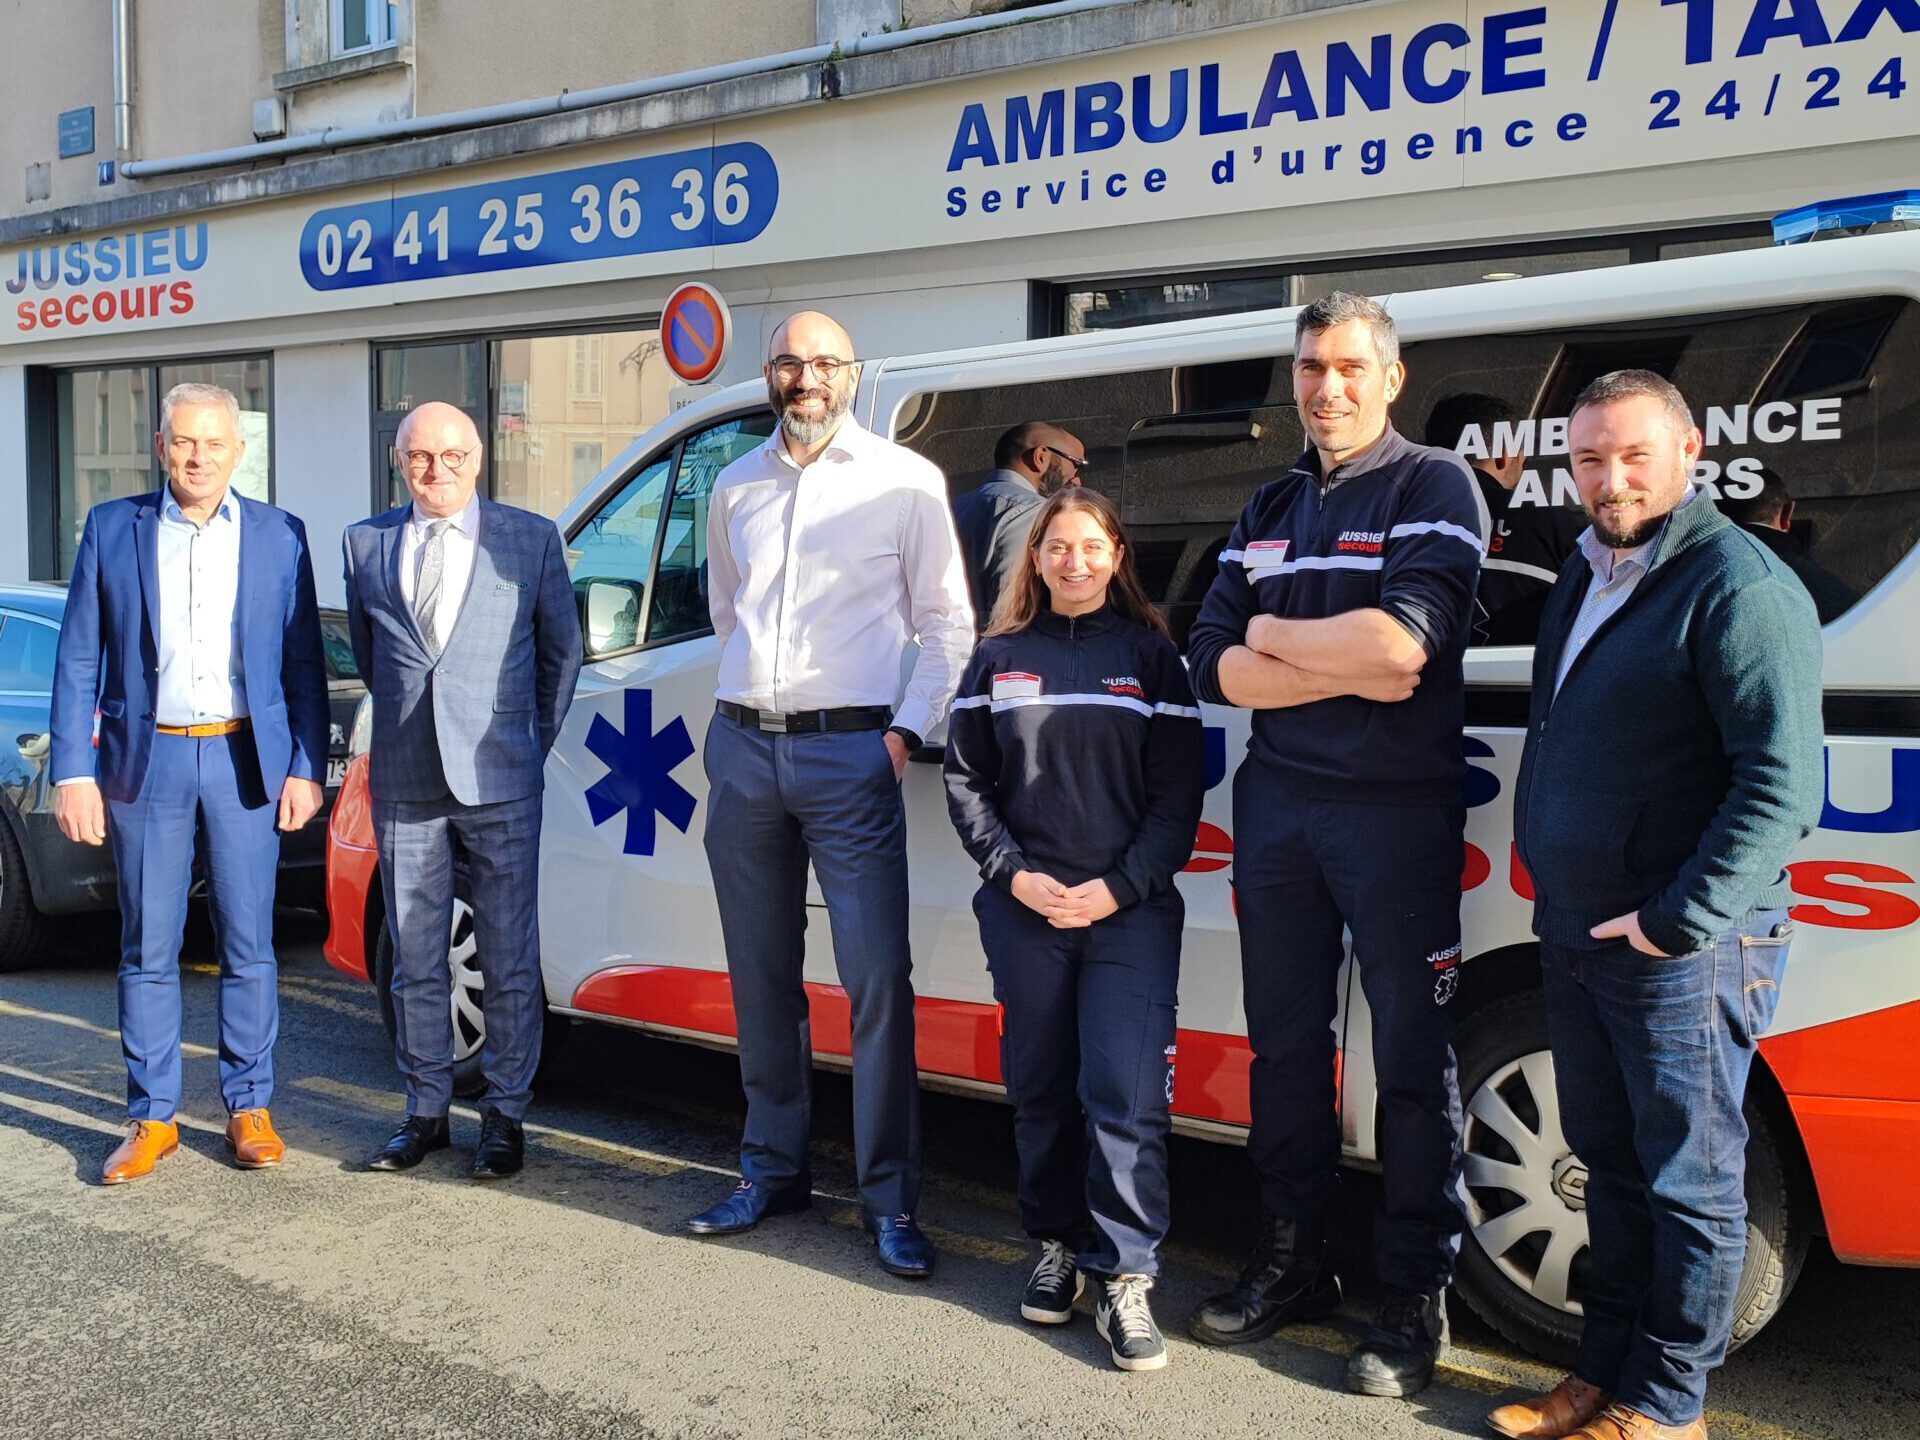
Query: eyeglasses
point(788, 368)
point(417, 461)
point(1079, 462)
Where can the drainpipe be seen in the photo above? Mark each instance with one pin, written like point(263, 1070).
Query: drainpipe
point(337, 138)
point(123, 79)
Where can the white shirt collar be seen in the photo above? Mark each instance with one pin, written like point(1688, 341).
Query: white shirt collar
point(467, 521)
point(228, 509)
point(847, 443)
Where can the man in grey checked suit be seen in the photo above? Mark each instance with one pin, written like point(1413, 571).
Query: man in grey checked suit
point(465, 630)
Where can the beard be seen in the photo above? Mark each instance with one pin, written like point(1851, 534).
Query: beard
point(805, 430)
point(1638, 533)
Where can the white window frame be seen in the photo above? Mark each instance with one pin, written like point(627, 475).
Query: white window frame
point(584, 372)
point(381, 24)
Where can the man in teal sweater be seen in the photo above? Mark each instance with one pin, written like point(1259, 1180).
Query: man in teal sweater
point(1672, 762)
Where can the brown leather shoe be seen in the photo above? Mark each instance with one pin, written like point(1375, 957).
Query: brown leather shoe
point(150, 1142)
point(250, 1136)
point(1623, 1422)
point(1558, 1413)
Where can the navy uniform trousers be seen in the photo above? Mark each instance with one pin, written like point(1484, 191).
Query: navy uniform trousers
point(774, 803)
point(1303, 869)
point(202, 793)
point(1087, 1053)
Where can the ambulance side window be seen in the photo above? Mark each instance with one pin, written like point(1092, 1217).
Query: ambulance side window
point(639, 562)
point(1178, 449)
point(679, 605)
point(610, 557)
point(1190, 471)
point(1810, 414)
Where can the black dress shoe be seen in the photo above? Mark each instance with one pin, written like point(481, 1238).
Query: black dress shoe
point(1399, 1353)
point(1289, 1278)
point(903, 1249)
point(418, 1137)
point(502, 1149)
point(748, 1205)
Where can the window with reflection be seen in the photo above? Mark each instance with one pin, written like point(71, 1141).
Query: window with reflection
point(105, 423)
point(1810, 416)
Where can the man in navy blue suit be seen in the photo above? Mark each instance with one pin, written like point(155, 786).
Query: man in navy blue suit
point(202, 659)
point(463, 621)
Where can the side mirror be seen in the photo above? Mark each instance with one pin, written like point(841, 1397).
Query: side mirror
point(610, 614)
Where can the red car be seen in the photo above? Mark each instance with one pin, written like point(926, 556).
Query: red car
point(357, 939)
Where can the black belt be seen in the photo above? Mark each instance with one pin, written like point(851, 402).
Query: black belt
point(808, 722)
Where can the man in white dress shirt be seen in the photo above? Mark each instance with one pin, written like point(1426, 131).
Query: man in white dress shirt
point(830, 550)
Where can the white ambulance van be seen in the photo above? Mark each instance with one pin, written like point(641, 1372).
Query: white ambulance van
point(1802, 364)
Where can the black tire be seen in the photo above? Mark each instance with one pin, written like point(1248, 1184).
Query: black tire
point(1503, 1061)
point(23, 929)
point(469, 1020)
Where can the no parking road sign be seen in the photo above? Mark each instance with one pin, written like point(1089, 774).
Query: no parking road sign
point(695, 331)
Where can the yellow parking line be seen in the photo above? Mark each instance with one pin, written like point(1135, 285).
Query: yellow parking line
point(74, 1022)
point(118, 1102)
point(586, 1147)
point(59, 1114)
point(1484, 1374)
point(977, 1247)
point(299, 994)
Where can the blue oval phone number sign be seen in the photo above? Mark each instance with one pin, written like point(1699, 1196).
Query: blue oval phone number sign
point(724, 195)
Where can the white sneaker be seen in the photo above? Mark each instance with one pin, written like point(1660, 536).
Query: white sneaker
point(1126, 1324)
point(1055, 1284)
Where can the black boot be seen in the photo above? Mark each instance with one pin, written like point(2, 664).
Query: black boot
point(1288, 1279)
point(1398, 1355)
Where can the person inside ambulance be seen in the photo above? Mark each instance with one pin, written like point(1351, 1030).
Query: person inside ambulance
point(1075, 772)
point(1340, 617)
point(1768, 516)
point(1030, 462)
point(1526, 543)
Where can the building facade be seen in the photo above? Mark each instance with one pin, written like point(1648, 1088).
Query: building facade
point(341, 208)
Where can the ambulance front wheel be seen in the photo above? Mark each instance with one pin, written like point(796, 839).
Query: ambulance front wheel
point(1524, 1260)
point(469, 1019)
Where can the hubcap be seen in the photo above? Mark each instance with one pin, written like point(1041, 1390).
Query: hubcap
point(1570, 1182)
point(1526, 1190)
point(463, 963)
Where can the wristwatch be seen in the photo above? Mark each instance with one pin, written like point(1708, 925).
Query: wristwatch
point(914, 742)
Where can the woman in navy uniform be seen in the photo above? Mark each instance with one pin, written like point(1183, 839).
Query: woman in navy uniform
point(1075, 771)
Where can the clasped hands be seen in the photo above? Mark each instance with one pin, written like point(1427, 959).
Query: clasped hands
point(1066, 907)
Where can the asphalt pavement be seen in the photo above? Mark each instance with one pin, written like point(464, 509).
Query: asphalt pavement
point(321, 1300)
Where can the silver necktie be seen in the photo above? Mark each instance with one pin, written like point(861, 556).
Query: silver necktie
point(433, 561)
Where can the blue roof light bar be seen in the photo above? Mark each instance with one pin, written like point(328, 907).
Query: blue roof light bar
point(1854, 216)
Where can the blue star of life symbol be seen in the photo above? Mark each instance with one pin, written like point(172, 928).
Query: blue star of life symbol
point(639, 778)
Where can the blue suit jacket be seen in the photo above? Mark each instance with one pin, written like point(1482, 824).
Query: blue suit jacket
point(109, 642)
point(478, 722)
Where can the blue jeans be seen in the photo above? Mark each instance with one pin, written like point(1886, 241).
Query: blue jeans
point(1651, 1058)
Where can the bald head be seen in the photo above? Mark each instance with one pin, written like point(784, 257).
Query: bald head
point(811, 380)
point(437, 415)
point(811, 333)
point(1047, 455)
point(438, 449)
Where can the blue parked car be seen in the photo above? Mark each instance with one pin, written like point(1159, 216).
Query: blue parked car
point(42, 873)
